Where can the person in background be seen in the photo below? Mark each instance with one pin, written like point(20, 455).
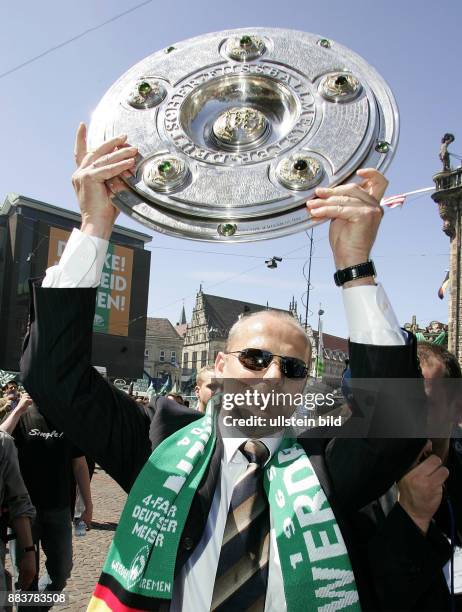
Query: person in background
point(10, 398)
point(176, 398)
point(419, 521)
point(202, 390)
point(47, 459)
point(17, 511)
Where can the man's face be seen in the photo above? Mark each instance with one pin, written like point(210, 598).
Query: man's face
point(269, 333)
point(202, 390)
point(445, 407)
point(11, 390)
point(433, 368)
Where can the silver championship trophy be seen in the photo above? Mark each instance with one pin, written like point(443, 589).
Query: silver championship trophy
point(236, 129)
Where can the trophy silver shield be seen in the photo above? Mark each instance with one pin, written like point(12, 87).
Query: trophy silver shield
point(236, 129)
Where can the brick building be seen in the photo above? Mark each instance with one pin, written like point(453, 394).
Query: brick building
point(163, 348)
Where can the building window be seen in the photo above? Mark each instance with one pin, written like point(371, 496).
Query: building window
point(194, 360)
point(185, 360)
point(162, 356)
point(146, 353)
point(203, 359)
point(173, 357)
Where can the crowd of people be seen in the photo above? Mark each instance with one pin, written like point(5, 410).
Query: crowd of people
point(413, 529)
point(269, 522)
point(45, 487)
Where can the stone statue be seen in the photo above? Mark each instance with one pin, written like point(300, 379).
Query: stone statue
point(444, 153)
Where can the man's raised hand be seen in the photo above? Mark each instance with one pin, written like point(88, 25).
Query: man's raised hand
point(97, 178)
point(355, 213)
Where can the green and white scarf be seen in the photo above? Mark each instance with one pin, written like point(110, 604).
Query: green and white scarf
point(139, 568)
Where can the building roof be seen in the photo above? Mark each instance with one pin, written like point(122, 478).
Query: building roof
point(161, 328)
point(332, 343)
point(221, 313)
point(14, 200)
point(181, 329)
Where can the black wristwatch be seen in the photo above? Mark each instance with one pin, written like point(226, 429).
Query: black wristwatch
point(361, 270)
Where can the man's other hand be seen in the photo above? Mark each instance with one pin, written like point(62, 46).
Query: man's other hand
point(97, 179)
point(87, 516)
point(355, 213)
point(421, 489)
point(24, 403)
point(27, 569)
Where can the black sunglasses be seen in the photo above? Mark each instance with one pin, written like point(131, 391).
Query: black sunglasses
point(257, 359)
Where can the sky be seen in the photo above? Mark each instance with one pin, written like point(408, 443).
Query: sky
point(413, 44)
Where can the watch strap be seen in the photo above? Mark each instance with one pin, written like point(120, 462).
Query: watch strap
point(361, 270)
point(29, 549)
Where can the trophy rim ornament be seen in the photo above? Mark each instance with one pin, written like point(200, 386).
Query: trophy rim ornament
point(236, 129)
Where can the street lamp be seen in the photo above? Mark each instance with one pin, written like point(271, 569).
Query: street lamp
point(320, 313)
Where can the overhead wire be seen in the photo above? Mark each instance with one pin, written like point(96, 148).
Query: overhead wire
point(73, 39)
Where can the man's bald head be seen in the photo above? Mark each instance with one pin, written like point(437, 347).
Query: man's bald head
point(281, 320)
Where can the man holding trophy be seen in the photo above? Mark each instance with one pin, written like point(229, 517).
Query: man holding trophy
point(215, 522)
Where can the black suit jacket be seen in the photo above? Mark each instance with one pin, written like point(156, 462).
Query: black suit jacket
point(110, 427)
point(406, 566)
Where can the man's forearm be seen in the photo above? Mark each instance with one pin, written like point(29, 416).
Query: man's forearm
point(22, 528)
point(9, 424)
point(82, 477)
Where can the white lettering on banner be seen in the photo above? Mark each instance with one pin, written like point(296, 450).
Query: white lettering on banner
point(60, 247)
point(120, 569)
point(183, 442)
point(339, 578)
point(295, 559)
point(288, 454)
point(288, 527)
point(113, 281)
point(185, 466)
point(280, 499)
point(107, 301)
point(174, 483)
point(303, 463)
point(115, 262)
point(196, 449)
point(159, 585)
point(313, 513)
point(327, 549)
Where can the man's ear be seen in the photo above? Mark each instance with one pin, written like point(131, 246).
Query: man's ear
point(196, 391)
point(220, 364)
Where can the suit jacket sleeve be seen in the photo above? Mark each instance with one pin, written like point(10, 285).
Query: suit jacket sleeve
point(56, 370)
point(406, 566)
point(363, 469)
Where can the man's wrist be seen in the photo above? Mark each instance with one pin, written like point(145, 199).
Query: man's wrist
point(422, 523)
point(98, 227)
point(367, 280)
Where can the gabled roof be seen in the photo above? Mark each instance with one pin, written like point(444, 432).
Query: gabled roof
point(181, 329)
point(221, 313)
point(334, 343)
point(161, 328)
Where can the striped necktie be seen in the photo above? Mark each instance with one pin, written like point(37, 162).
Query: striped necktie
point(242, 572)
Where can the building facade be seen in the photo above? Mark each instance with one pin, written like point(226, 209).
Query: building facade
point(33, 235)
point(212, 318)
point(163, 350)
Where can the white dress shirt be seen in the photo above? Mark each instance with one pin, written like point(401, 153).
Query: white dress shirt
point(371, 320)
